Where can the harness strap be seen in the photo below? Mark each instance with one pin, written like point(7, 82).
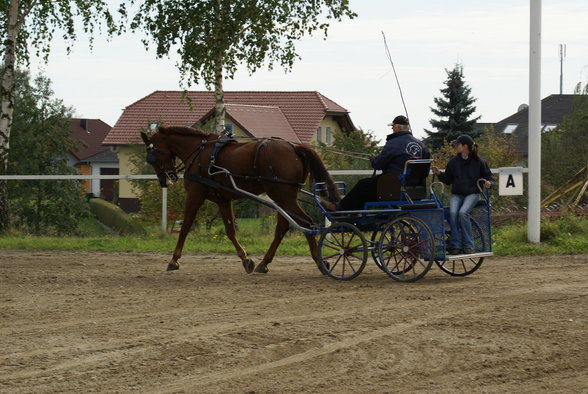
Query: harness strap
point(220, 143)
point(259, 146)
point(267, 179)
point(196, 154)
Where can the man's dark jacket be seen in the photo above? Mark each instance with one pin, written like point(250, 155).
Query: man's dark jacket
point(399, 148)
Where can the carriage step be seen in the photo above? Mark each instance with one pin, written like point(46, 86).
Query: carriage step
point(426, 205)
point(467, 256)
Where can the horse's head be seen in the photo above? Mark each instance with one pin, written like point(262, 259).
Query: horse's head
point(162, 160)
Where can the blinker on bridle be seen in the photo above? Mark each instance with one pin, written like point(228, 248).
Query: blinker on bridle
point(170, 172)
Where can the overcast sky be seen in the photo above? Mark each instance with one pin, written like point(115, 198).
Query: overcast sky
point(425, 37)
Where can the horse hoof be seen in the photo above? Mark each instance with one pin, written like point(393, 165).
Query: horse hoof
point(261, 269)
point(173, 267)
point(248, 265)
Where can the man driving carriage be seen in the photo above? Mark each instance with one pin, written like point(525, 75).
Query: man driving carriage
point(400, 146)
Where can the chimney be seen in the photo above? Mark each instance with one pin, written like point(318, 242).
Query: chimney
point(84, 124)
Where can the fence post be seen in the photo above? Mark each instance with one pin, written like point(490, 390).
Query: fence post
point(164, 209)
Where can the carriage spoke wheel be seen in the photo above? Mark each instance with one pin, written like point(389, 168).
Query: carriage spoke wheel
point(342, 251)
point(374, 250)
point(374, 239)
point(466, 266)
point(406, 249)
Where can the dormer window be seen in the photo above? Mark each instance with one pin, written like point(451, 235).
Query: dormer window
point(510, 128)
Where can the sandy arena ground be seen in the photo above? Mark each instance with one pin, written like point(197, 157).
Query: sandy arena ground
point(117, 322)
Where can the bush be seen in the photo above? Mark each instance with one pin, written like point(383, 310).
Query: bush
point(114, 217)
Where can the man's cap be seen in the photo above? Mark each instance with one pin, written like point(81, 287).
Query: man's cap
point(400, 119)
point(464, 140)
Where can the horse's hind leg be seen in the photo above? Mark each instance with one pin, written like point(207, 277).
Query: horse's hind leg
point(192, 205)
point(226, 210)
point(282, 227)
point(281, 230)
point(312, 245)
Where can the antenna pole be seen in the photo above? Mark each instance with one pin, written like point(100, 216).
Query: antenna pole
point(395, 76)
point(562, 54)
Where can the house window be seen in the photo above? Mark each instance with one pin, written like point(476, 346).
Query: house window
point(510, 128)
point(319, 134)
point(228, 128)
point(328, 136)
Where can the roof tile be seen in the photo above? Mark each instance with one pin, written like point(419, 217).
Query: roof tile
point(302, 110)
point(89, 134)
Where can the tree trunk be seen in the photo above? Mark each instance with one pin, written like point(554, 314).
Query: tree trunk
point(7, 107)
point(219, 98)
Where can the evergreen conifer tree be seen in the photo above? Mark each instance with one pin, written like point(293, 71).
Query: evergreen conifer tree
point(455, 109)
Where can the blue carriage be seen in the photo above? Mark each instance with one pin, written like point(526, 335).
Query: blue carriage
point(405, 232)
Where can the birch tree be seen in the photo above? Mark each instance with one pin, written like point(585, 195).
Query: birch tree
point(215, 37)
point(29, 27)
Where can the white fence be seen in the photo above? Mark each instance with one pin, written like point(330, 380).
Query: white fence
point(163, 190)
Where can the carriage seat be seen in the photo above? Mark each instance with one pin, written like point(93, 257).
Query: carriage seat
point(408, 185)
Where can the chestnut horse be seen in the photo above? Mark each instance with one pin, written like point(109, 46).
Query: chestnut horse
point(272, 166)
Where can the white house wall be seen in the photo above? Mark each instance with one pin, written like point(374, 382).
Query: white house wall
point(95, 185)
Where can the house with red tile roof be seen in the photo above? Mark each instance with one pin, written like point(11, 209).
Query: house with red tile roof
point(304, 117)
point(90, 157)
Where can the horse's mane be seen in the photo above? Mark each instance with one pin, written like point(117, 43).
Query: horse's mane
point(182, 130)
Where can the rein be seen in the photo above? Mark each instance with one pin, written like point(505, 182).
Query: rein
point(355, 155)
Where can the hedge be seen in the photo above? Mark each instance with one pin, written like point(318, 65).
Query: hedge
point(115, 218)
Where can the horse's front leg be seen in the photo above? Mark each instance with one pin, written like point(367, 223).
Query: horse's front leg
point(226, 209)
point(192, 205)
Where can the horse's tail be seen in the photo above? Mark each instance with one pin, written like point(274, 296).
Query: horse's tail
point(318, 171)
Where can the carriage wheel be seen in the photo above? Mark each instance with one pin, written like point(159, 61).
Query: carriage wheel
point(466, 266)
point(374, 249)
point(406, 249)
point(342, 251)
point(374, 239)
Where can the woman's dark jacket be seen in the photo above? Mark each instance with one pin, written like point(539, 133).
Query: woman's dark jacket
point(462, 174)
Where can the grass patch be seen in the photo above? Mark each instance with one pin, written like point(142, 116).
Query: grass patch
point(254, 234)
point(564, 235)
point(558, 236)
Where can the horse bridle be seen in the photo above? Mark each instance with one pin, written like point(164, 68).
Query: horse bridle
point(166, 173)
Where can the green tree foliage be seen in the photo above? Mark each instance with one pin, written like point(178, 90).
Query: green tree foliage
point(350, 150)
point(497, 149)
point(149, 194)
point(214, 38)
point(39, 143)
point(30, 26)
point(455, 110)
point(565, 149)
